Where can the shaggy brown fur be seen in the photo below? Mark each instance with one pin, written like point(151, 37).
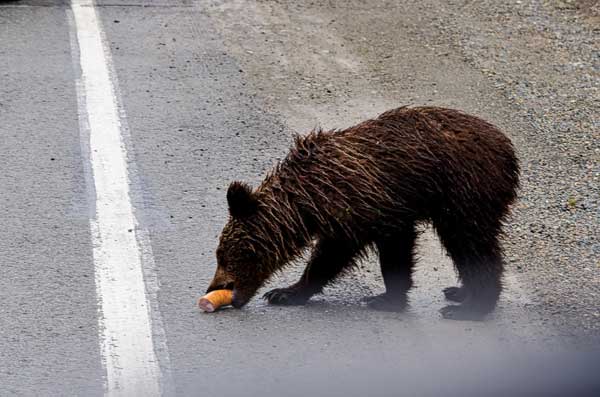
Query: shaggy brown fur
point(369, 185)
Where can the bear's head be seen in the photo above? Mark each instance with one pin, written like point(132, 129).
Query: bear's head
point(241, 261)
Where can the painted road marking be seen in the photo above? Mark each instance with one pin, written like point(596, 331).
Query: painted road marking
point(125, 318)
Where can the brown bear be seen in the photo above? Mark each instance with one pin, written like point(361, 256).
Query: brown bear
point(370, 186)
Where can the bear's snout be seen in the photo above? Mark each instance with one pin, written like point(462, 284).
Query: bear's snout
point(218, 286)
point(238, 300)
point(221, 280)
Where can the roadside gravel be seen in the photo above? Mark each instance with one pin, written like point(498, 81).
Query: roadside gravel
point(544, 56)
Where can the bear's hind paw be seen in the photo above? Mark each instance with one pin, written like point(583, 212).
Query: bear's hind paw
point(455, 294)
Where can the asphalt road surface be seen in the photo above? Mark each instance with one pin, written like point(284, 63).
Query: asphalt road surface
point(200, 93)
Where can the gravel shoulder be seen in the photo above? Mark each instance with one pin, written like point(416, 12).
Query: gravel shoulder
point(544, 57)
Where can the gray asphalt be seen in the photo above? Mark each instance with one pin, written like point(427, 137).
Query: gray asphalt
point(212, 92)
point(48, 316)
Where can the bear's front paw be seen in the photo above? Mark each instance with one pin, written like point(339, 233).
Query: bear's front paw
point(387, 303)
point(285, 296)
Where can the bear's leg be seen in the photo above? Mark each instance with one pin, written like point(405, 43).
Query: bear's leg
point(328, 259)
point(479, 263)
point(396, 256)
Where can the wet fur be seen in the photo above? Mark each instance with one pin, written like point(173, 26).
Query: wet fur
point(369, 185)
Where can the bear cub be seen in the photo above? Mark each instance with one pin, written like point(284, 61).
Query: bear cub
point(370, 186)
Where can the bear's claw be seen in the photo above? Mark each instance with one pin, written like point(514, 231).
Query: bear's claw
point(285, 296)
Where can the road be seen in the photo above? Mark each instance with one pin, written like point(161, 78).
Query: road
point(207, 92)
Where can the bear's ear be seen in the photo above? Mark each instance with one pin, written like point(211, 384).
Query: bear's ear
point(241, 200)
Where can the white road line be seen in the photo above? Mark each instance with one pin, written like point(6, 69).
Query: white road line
point(125, 325)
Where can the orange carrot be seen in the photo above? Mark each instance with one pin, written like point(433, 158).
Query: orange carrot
point(215, 299)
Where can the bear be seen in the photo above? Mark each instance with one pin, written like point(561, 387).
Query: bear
point(343, 192)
